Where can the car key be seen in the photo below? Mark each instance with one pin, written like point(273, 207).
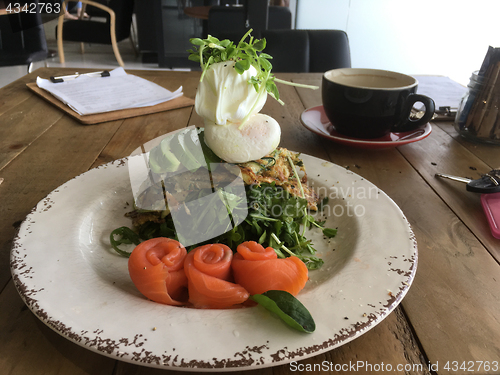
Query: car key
point(487, 184)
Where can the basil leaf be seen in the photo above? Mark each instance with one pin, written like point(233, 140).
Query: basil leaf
point(127, 236)
point(288, 308)
point(330, 232)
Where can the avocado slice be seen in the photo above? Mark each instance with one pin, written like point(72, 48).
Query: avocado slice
point(162, 159)
point(192, 142)
point(183, 150)
point(155, 160)
point(209, 155)
point(170, 162)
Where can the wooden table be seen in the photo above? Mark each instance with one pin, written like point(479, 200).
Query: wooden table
point(451, 312)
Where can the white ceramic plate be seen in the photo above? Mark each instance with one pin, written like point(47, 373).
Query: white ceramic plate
point(66, 273)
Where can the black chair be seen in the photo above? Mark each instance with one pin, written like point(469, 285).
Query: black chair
point(302, 51)
point(224, 18)
point(118, 21)
point(252, 14)
point(22, 39)
point(307, 51)
point(279, 18)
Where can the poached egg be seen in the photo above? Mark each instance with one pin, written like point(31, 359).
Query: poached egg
point(259, 136)
point(225, 96)
point(229, 105)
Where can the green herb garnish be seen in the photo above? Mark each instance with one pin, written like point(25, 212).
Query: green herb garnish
point(126, 236)
point(245, 54)
point(274, 219)
point(287, 308)
point(265, 213)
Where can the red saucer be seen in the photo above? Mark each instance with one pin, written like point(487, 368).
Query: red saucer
point(315, 120)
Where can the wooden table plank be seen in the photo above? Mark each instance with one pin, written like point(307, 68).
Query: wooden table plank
point(81, 144)
point(41, 164)
point(293, 135)
point(15, 93)
point(452, 305)
point(488, 153)
point(288, 116)
point(296, 137)
point(457, 280)
point(22, 125)
point(64, 151)
point(137, 131)
point(442, 154)
point(30, 347)
point(21, 121)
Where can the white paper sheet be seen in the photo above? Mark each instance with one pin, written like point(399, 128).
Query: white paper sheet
point(444, 91)
point(89, 95)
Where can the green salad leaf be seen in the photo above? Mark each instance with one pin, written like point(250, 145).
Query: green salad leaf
point(266, 213)
point(126, 236)
point(287, 308)
point(274, 219)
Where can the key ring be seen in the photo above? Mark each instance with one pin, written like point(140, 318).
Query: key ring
point(487, 184)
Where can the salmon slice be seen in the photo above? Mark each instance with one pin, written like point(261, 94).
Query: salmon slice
point(258, 270)
point(208, 269)
point(156, 267)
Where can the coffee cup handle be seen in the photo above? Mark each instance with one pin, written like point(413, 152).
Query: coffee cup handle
point(407, 123)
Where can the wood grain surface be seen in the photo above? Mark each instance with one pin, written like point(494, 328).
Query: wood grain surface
point(451, 312)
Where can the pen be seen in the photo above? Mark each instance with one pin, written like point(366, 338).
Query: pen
point(60, 79)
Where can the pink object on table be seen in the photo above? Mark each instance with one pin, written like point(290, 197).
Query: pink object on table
point(491, 206)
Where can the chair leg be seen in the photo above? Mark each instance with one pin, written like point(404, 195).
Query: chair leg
point(112, 24)
point(60, 23)
point(134, 47)
point(82, 48)
point(133, 36)
point(117, 52)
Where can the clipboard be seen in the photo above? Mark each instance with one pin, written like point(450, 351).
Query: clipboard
point(97, 118)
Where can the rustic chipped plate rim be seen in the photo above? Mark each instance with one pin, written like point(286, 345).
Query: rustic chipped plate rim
point(67, 275)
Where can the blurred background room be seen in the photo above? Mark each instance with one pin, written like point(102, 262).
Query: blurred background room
point(438, 37)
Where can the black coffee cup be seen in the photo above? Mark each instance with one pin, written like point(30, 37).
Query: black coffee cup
point(370, 103)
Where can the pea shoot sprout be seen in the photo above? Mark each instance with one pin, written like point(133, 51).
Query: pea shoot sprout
point(211, 50)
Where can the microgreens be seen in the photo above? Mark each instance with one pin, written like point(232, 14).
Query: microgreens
point(211, 50)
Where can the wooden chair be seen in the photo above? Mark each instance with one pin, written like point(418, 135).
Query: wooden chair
point(115, 29)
